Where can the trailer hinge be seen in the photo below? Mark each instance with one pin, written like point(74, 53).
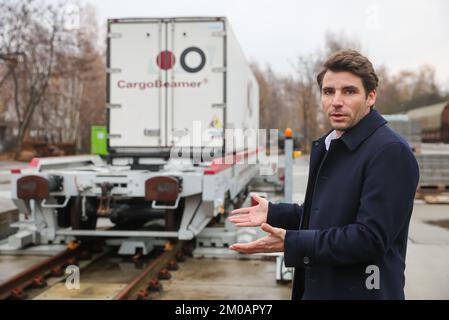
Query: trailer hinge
point(218, 33)
point(113, 106)
point(114, 35)
point(219, 105)
point(112, 136)
point(222, 69)
point(113, 70)
point(151, 132)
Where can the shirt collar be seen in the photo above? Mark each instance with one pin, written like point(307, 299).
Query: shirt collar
point(331, 136)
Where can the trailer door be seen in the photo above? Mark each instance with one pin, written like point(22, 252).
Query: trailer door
point(195, 84)
point(136, 94)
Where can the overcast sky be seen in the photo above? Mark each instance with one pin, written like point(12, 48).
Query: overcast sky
point(401, 34)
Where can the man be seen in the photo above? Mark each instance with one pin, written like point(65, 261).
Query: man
point(348, 239)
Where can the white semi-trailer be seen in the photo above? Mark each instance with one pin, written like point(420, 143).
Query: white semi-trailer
point(175, 89)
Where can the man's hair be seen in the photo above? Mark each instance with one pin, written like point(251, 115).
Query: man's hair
point(351, 61)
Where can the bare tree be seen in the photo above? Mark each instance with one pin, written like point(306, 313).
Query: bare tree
point(273, 104)
point(56, 75)
point(308, 98)
point(339, 40)
point(407, 89)
point(29, 33)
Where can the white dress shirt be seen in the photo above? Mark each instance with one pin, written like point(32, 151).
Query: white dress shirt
point(331, 136)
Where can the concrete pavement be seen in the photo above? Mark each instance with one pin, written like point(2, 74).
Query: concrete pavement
point(427, 272)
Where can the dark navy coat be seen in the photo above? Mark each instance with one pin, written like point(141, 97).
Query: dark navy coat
point(355, 215)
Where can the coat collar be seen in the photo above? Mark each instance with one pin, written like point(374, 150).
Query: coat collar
point(362, 130)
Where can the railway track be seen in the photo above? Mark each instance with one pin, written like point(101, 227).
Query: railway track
point(103, 274)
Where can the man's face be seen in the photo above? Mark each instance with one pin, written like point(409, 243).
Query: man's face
point(344, 99)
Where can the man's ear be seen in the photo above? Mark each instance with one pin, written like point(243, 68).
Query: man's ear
point(371, 99)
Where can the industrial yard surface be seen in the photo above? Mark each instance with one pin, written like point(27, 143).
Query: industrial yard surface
point(427, 272)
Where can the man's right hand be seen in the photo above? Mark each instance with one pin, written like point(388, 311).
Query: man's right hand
point(252, 216)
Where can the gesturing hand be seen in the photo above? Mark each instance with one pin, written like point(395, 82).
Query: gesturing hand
point(274, 242)
point(251, 217)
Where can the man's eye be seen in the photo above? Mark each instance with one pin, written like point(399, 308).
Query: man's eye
point(350, 91)
point(327, 92)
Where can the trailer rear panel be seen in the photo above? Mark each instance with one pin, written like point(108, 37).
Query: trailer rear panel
point(177, 82)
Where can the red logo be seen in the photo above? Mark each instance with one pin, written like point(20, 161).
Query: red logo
point(165, 60)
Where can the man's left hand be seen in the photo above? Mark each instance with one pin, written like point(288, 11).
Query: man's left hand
point(274, 242)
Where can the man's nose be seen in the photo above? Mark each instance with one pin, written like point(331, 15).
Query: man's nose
point(337, 101)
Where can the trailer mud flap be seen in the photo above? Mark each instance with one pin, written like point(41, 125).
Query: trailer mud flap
point(32, 187)
point(163, 191)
